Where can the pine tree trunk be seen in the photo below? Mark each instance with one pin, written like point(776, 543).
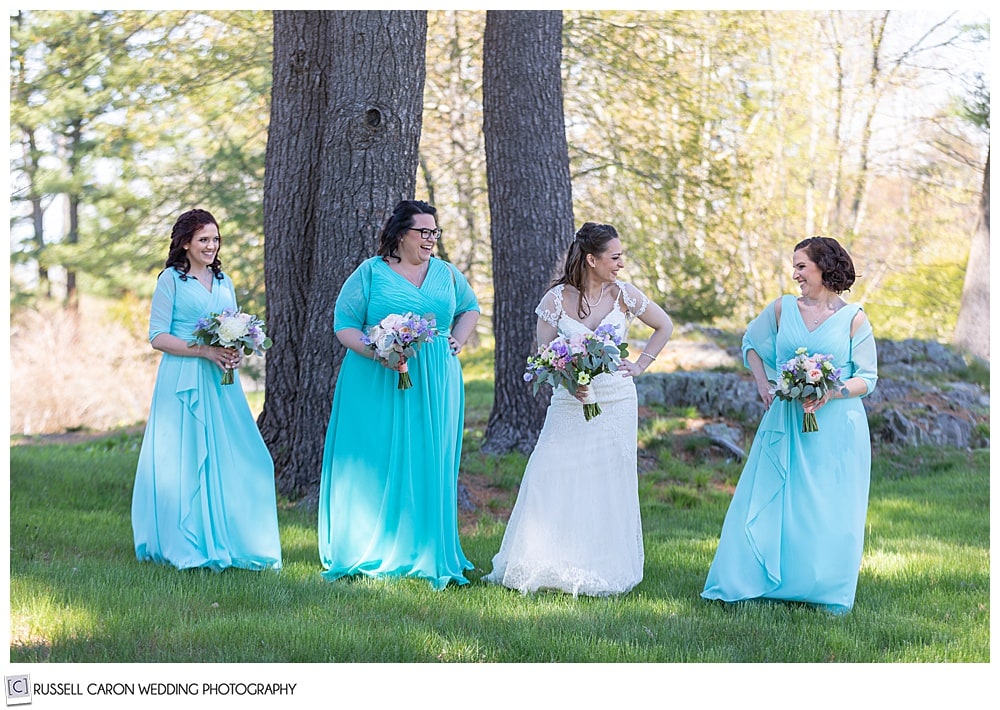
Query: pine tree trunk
point(530, 197)
point(342, 147)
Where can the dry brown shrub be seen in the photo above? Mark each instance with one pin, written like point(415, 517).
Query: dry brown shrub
point(87, 370)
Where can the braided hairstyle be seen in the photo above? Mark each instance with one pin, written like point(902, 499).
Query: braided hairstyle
point(591, 238)
point(832, 259)
point(180, 236)
point(398, 223)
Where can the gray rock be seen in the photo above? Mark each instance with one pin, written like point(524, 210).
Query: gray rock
point(903, 410)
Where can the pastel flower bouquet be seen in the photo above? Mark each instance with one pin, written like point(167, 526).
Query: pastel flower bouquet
point(805, 377)
point(232, 329)
point(397, 337)
point(575, 361)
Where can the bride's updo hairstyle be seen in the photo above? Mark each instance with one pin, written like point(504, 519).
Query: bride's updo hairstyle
point(591, 238)
point(832, 259)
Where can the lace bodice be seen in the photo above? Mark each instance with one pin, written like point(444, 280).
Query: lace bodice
point(619, 317)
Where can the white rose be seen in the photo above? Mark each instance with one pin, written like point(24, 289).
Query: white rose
point(231, 330)
point(391, 321)
point(384, 342)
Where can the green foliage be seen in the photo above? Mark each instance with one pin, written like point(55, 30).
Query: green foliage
point(709, 138)
point(165, 111)
point(918, 302)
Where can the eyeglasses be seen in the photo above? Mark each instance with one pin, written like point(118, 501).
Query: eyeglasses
point(428, 234)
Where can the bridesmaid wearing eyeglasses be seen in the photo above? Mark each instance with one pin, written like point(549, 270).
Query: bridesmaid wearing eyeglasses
point(388, 503)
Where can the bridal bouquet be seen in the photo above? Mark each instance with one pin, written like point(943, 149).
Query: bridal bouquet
point(400, 336)
point(574, 362)
point(232, 329)
point(804, 377)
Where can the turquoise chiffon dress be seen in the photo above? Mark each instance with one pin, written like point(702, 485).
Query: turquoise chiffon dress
point(204, 492)
point(795, 527)
point(388, 504)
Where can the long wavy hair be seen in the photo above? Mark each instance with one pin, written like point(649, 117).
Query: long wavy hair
point(833, 260)
point(591, 238)
point(397, 225)
point(182, 234)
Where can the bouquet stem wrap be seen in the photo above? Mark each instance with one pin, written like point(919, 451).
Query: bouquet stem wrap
point(591, 407)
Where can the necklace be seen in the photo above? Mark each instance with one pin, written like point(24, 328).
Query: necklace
point(816, 319)
point(599, 298)
point(415, 277)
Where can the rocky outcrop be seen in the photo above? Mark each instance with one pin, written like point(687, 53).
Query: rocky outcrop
point(921, 397)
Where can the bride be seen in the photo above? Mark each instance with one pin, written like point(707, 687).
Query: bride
point(575, 526)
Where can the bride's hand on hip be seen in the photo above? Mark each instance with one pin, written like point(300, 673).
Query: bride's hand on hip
point(631, 369)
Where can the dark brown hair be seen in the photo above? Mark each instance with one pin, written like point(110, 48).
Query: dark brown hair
point(591, 238)
point(832, 259)
point(398, 223)
point(180, 236)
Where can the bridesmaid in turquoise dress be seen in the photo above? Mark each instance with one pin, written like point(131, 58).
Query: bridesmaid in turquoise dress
point(388, 503)
point(795, 527)
point(204, 492)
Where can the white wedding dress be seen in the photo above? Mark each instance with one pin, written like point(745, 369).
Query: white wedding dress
point(575, 526)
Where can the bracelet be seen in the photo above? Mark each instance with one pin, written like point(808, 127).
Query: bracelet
point(651, 357)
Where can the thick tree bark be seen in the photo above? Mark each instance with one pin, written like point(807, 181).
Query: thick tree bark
point(530, 196)
point(972, 332)
point(342, 147)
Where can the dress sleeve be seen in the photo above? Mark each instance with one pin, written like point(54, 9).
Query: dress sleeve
point(635, 300)
point(351, 308)
point(864, 358)
point(761, 337)
point(161, 312)
point(465, 297)
point(549, 309)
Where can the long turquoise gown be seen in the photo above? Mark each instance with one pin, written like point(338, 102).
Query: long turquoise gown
point(795, 527)
point(389, 486)
point(204, 491)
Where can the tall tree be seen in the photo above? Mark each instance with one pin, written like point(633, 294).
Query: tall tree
point(124, 119)
point(972, 332)
point(342, 150)
point(531, 201)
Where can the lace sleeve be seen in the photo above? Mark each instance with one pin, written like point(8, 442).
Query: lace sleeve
point(550, 307)
point(635, 300)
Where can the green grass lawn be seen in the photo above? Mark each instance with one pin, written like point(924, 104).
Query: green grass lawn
point(919, 634)
point(77, 594)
